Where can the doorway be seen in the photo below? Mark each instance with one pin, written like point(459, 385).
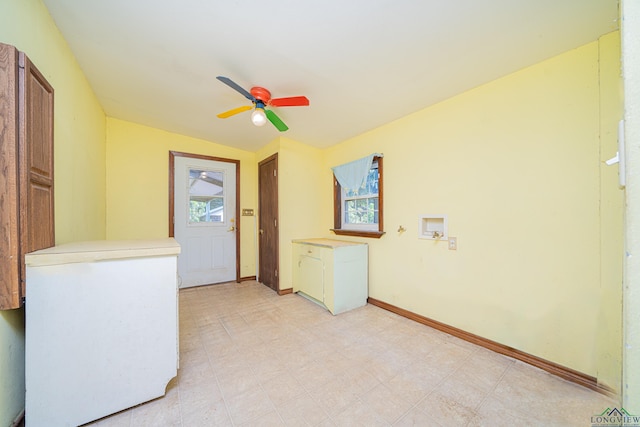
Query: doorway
point(204, 212)
point(268, 222)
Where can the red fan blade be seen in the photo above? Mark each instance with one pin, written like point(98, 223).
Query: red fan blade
point(293, 101)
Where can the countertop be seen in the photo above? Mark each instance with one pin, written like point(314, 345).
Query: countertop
point(100, 250)
point(327, 243)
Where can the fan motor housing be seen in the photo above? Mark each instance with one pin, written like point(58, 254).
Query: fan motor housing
point(261, 94)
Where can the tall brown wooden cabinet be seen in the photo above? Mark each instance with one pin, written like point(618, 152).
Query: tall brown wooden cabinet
point(26, 170)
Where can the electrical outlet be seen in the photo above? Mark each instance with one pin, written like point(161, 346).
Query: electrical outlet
point(453, 243)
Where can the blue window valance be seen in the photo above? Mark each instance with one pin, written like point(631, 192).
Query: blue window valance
point(351, 175)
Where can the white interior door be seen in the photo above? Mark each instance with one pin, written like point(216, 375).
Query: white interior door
point(204, 220)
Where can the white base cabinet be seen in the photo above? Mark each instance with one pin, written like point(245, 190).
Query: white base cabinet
point(101, 328)
point(333, 273)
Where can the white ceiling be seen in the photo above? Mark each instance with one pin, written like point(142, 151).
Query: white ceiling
point(361, 63)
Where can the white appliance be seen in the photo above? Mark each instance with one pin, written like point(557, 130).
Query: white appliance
point(101, 328)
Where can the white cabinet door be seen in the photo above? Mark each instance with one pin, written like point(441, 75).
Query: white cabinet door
point(312, 277)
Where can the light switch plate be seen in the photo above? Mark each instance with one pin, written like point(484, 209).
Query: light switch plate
point(453, 243)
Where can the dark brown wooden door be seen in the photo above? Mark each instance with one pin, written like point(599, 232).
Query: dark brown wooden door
point(36, 162)
point(268, 221)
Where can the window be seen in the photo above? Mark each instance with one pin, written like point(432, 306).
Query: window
point(359, 212)
point(360, 207)
point(206, 196)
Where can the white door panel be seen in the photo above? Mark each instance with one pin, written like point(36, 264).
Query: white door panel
point(204, 220)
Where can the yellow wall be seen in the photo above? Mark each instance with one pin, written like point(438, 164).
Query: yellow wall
point(515, 164)
point(138, 183)
point(79, 165)
point(302, 211)
point(609, 313)
point(79, 127)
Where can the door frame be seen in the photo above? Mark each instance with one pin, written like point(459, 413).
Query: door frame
point(273, 157)
point(172, 156)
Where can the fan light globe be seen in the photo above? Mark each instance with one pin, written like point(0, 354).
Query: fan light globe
point(258, 117)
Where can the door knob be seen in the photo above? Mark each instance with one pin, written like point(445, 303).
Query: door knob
point(261, 231)
point(232, 228)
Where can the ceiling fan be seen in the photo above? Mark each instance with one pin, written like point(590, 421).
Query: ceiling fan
point(261, 98)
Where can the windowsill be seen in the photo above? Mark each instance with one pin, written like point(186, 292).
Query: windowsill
point(358, 233)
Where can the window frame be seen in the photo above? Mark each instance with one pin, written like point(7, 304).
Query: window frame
point(337, 208)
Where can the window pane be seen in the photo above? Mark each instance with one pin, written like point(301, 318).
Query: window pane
point(361, 211)
point(375, 203)
point(371, 213)
point(349, 210)
point(206, 196)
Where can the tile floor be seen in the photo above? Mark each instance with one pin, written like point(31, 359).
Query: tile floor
point(252, 358)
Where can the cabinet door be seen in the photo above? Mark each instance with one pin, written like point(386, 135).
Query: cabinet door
point(35, 161)
point(9, 130)
point(312, 277)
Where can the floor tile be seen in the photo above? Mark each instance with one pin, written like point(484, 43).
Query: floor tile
point(414, 383)
point(445, 410)
point(384, 404)
point(282, 388)
point(205, 413)
point(484, 369)
point(358, 414)
point(248, 405)
point(416, 418)
point(464, 393)
point(271, 419)
point(233, 383)
point(334, 396)
point(495, 413)
point(301, 410)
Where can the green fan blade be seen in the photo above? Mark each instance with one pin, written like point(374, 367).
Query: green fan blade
point(273, 118)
